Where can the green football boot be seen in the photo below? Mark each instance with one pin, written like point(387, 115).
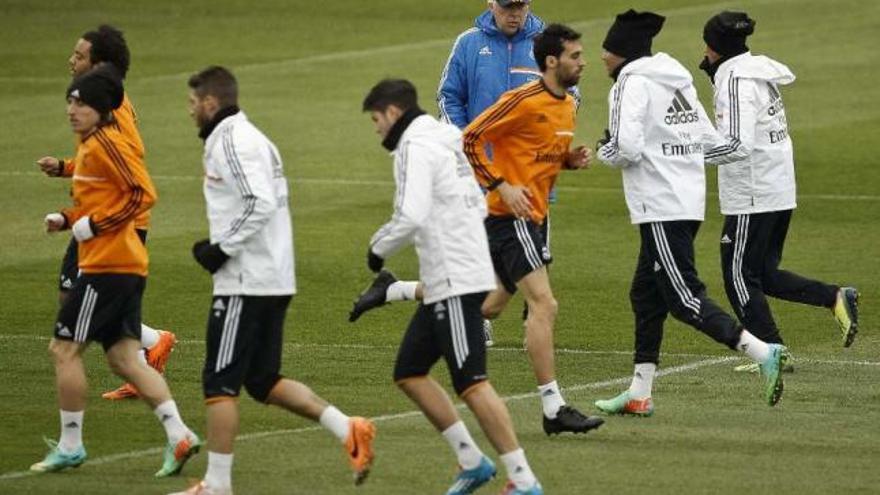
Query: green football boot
point(176, 455)
point(56, 460)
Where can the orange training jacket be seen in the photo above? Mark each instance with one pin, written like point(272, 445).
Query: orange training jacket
point(126, 122)
point(112, 187)
point(529, 130)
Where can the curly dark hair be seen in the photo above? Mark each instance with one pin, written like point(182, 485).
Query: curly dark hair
point(108, 45)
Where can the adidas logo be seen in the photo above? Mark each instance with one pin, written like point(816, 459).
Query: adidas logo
point(165, 417)
point(548, 393)
point(74, 94)
point(439, 307)
point(218, 305)
point(657, 267)
point(63, 331)
point(680, 111)
point(725, 239)
point(541, 118)
point(66, 282)
point(72, 424)
point(486, 51)
point(463, 446)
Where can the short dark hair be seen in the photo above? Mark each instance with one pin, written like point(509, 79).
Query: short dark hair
point(108, 45)
point(550, 43)
point(218, 82)
point(398, 92)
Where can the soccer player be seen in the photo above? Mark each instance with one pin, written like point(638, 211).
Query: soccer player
point(756, 184)
point(530, 130)
point(491, 58)
point(658, 131)
point(250, 255)
point(439, 207)
point(111, 188)
point(107, 46)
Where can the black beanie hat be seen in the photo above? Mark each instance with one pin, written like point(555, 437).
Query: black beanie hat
point(631, 34)
point(726, 33)
point(100, 88)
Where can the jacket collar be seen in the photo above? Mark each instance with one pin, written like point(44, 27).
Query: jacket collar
point(221, 114)
point(726, 65)
point(397, 130)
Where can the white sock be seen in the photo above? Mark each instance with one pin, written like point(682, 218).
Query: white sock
point(643, 380)
point(142, 356)
point(336, 422)
point(171, 421)
point(219, 473)
point(551, 399)
point(149, 336)
point(518, 470)
point(467, 451)
point(401, 291)
point(71, 430)
point(753, 347)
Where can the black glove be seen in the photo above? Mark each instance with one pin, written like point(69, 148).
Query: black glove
point(374, 262)
point(603, 140)
point(210, 256)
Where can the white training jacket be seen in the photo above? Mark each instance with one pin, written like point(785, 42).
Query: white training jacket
point(756, 172)
point(246, 195)
point(659, 131)
point(438, 206)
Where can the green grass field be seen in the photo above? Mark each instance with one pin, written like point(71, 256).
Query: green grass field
point(303, 69)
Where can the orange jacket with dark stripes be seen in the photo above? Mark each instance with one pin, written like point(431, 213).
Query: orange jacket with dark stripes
point(112, 187)
point(126, 122)
point(529, 130)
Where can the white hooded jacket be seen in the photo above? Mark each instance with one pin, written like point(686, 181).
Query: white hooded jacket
point(438, 206)
point(756, 172)
point(659, 132)
point(246, 195)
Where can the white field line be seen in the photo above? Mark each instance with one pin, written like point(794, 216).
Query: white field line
point(387, 183)
point(274, 65)
point(388, 417)
point(559, 350)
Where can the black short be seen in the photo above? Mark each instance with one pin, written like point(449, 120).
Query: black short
point(70, 262)
point(518, 247)
point(102, 307)
point(245, 335)
point(451, 328)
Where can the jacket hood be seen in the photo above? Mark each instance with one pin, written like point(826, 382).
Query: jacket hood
point(485, 22)
point(426, 126)
point(662, 69)
point(758, 67)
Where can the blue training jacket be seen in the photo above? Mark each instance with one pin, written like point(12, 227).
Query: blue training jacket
point(483, 65)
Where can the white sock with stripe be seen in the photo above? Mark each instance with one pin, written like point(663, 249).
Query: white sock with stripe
point(643, 381)
point(518, 469)
point(338, 423)
point(219, 473)
point(753, 347)
point(171, 421)
point(71, 431)
point(467, 451)
point(401, 291)
point(149, 336)
point(551, 399)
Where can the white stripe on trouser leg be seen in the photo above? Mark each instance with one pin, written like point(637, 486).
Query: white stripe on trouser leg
point(739, 248)
point(528, 245)
point(668, 261)
point(547, 232)
point(230, 328)
point(84, 318)
point(458, 331)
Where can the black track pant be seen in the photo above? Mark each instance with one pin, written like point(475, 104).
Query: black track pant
point(751, 250)
point(666, 282)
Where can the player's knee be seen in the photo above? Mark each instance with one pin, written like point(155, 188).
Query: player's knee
point(121, 365)
point(63, 351)
point(490, 310)
point(260, 387)
point(544, 305)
